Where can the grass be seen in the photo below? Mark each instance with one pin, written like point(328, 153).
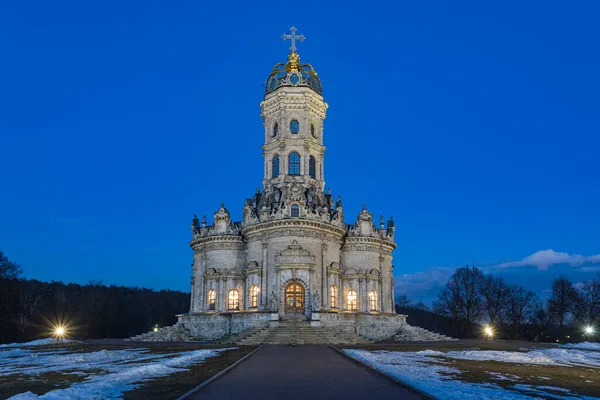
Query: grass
point(167, 387)
point(477, 371)
point(11, 385)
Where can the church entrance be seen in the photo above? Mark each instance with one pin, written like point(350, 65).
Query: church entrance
point(294, 299)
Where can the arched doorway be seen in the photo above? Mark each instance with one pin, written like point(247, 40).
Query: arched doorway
point(294, 298)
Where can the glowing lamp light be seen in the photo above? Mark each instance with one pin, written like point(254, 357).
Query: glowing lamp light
point(589, 330)
point(60, 332)
point(155, 328)
point(488, 331)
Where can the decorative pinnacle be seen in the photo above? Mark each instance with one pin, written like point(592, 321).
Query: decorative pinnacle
point(293, 38)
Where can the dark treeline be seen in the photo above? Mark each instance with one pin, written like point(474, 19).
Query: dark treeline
point(29, 308)
point(472, 299)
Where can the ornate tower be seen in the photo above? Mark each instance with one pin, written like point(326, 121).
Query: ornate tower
point(293, 111)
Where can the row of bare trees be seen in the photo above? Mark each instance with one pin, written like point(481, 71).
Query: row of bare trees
point(29, 308)
point(471, 298)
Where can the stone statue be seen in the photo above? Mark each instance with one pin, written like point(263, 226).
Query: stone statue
point(273, 301)
point(315, 301)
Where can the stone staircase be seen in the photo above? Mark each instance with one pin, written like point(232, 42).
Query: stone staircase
point(174, 333)
point(409, 333)
point(296, 332)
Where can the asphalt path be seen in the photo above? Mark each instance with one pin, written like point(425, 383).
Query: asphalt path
point(312, 372)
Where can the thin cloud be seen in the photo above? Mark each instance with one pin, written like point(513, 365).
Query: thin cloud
point(543, 259)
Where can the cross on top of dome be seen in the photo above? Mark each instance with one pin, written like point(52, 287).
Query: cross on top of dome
point(293, 37)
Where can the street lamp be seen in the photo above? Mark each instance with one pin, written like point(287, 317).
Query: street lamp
point(589, 330)
point(59, 332)
point(488, 331)
point(155, 329)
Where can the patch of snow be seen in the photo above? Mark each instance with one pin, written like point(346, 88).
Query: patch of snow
point(423, 371)
point(583, 345)
point(120, 370)
point(504, 377)
point(545, 378)
point(569, 357)
point(39, 342)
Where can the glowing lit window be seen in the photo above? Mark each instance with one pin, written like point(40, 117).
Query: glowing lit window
point(352, 300)
point(294, 164)
point(275, 129)
point(311, 167)
point(233, 300)
point(254, 296)
point(212, 299)
point(275, 167)
point(294, 126)
point(333, 292)
point(295, 210)
point(373, 300)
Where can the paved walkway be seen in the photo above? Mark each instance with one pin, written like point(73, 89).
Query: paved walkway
point(310, 372)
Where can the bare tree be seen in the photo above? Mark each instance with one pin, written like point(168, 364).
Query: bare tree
point(28, 303)
point(542, 319)
point(495, 295)
point(520, 307)
point(460, 298)
point(403, 301)
point(588, 304)
point(9, 269)
point(563, 299)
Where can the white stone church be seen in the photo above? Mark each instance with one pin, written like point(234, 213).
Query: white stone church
point(293, 257)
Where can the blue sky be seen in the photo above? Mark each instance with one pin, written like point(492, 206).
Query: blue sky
point(474, 124)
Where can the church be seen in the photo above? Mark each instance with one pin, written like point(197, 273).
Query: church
point(293, 256)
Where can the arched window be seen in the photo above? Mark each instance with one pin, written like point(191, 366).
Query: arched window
point(294, 126)
point(254, 296)
point(352, 300)
point(311, 167)
point(333, 293)
point(312, 131)
point(295, 210)
point(294, 164)
point(275, 129)
point(275, 167)
point(212, 299)
point(233, 300)
point(373, 300)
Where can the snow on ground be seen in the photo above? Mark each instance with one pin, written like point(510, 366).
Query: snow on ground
point(583, 345)
point(39, 342)
point(429, 373)
point(120, 370)
point(539, 357)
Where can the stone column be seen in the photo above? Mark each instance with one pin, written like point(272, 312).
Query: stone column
point(264, 292)
point(193, 295)
point(324, 278)
point(362, 295)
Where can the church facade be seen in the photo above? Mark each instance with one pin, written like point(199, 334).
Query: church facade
point(293, 255)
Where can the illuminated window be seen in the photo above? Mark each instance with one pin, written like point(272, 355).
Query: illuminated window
point(254, 296)
point(275, 129)
point(334, 296)
point(275, 167)
point(295, 210)
point(294, 164)
point(233, 300)
point(352, 300)
point(212, 299)
point(373, 300)
point(294, 126)
point(311, 167)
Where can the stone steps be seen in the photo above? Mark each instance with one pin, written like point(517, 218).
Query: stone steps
point(174, 333)
point(299, 332)
point(409, 333)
